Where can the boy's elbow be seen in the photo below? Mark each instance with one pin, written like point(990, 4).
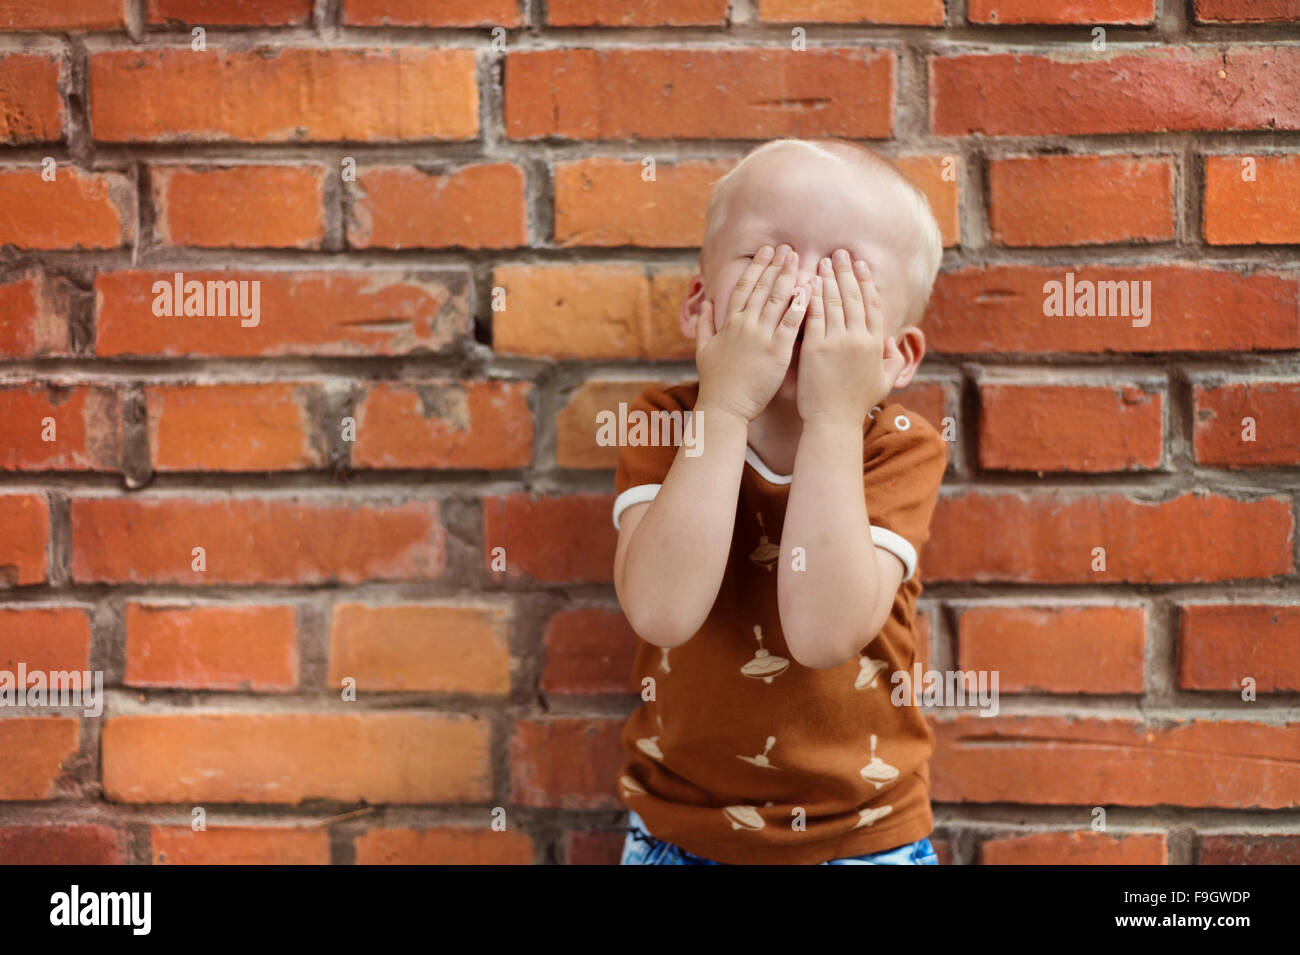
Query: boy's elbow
point(818, 654)
point(656, 627)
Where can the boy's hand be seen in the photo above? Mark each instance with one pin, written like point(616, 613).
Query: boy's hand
point(742, 364)
point(847, 364)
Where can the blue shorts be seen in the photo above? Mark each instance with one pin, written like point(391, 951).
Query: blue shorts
point(641, 848)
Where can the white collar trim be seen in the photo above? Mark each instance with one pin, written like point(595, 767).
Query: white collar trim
point(754, 461)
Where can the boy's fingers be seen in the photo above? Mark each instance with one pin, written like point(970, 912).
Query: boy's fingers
point(815, 324)
point(758, 297)
point(831, 299)
point(792, 318)
point(872, 311)
point(748, 279)
point(779, 298)
point(850, 290)
point(704, 326)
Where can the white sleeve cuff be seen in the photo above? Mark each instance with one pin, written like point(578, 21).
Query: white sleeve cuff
point(635, 495)
point(897, 545)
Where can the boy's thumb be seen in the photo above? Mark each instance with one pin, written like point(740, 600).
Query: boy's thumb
point(704, 324)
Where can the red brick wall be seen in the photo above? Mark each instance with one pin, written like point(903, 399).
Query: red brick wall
point(497, 270)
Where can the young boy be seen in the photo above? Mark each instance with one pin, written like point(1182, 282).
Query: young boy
point(770, 566)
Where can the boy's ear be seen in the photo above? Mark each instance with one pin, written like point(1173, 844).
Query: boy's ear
point(691, 306)
point(911, 342)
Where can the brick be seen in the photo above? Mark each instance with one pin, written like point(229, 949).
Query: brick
point(322, 313)
point(284, 95)
point(221, 13)
point(1145, 541)
point(1081, 200)
point(420, 647)
point(756, 93)
point(78, 210)
point(240, 207)
point(61, 845)
point(1000, 309)
point(448, 845)
point(432, 13)
point(1077, 848)
point(575, 311)
point(483, 425)
point(241, 845)
point(1081, 649)
point(566, 763)
point(36, 317)
point(1220, 645)
point(1041, 427)
point(577, 428)
point(594, 848)
point(927, 173)
point(1165, 89)
point(1263, 211)
point(559, 539)
point(24, 539)
point(589, 651)
point(288, 758)
point(1139, 12)
point(249, 648)
point(929, 399)
point(33, 751)
point(220, 427)
point(254, 540)
point(1089, 761)
point(605, 202)
point(69, 15)
point(44, 638)
point(1248, 849)
point(615, 13)
point(1222, 432)
point(84, 422)
point(31, 110)
point(926, 13)
point(1247, 11)
point(482, 206)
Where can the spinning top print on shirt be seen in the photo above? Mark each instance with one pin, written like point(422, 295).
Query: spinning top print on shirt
point(663, 661)
point(766, 553)
point(764, 666)
point(868, 816)
point(878, 772)
point(869, 672)
point(761, 759)
point(631, 786)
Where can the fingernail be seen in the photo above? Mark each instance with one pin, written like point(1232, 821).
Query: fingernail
point(841, 257)
point(860, 267)
point(825, 263)
point(765, 250)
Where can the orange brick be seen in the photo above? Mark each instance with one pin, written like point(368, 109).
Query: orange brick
point(568, 539)
point(1000, 309)
point(84, 422)
point(377, 312)
point(756, 93)
point(61, 845)
point(292, 757)
point(210, 13)
point(65, 15)
point(31, 110)
point(926, 13)
point(1224, 436)
point(566, 763)
point(36, 317)
point(1086, 761)
point(425, 647)
point(577, 438)
point(33, 751)
point(590, 652)
point(474, 207)
point(1139, 12)
point(212, 648)
point(1247, 11)
point(1081, 200)
point(241, 845)
point(937, 176)
point(289, 95)
point(219, 427)
point(44, 638)
point(1038, 427)
point(1077, 848)
point(486, 425)
point(1264, 210)
point(1034, 94)
point(24, 539)
point(616, 13)
point(1221, 645)
point(573, 311)
point(432, 13)
point(78, 210)
point(240, 207)
point(1054, 536)
point(254, 540)
point(1055, 649)
point(458, 845)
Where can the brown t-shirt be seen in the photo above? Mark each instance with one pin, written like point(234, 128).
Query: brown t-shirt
point(739, 737)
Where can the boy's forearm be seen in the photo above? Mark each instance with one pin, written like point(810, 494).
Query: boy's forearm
point(825, 608)
point(678, 553)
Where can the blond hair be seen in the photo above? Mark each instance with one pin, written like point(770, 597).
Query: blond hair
point(922, 247)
